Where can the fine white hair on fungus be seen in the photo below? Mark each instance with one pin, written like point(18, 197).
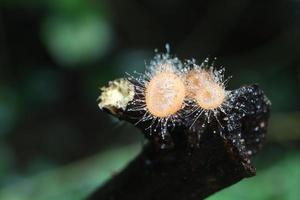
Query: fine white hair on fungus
point(206, 91)
point(160, 93)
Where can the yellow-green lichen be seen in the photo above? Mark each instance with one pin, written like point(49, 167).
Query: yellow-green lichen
point(116, 95)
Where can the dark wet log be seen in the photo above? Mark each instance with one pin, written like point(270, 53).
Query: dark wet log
point(178, 173)
point(199, 162)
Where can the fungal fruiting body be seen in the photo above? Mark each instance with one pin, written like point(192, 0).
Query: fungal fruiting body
point(207, 93)
point(206, 90)
point(165, 94)
point(161, 93)
point(189, 97)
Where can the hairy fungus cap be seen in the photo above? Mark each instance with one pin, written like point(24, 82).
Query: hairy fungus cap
point(204, 89)
point(165, 94)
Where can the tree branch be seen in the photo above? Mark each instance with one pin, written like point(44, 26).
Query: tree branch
point(196, 162)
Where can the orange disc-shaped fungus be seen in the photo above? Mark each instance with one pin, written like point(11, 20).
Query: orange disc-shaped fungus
point(202, 87)
point(165, 94)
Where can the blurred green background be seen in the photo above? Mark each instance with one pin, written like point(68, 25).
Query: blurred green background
point(55, 54)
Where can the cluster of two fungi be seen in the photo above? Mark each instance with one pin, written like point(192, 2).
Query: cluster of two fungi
point(174, 99)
